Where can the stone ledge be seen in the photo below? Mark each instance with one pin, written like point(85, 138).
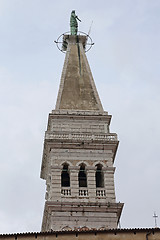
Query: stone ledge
point(82, 136)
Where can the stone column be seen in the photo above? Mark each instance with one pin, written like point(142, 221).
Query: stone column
point(91, 181)
point(74, 170)
point(109, 183)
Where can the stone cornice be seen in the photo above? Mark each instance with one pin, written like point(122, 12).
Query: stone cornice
point(112, 137)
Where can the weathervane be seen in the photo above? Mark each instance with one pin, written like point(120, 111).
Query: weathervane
point(155, 219)
point(62, 41)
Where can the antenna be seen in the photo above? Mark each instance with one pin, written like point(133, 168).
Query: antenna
point(90, 28)
point(155, 219)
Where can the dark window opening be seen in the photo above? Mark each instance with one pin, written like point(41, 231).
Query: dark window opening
point(82, 177)
point(99, 177)
point(65, 178)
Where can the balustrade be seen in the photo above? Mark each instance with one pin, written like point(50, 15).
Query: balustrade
point(100, 192)
point(66, 191)
point(83, 192)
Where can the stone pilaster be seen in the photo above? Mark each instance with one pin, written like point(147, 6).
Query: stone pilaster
point(56, 183)
point(91, 182)
point(74, 181)
point(109, 183)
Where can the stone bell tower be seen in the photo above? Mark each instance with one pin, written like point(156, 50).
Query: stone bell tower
point(79, 151)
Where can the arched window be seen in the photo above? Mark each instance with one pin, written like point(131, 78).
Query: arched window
point(82, 177)
point(65, 178)
point(99, 177)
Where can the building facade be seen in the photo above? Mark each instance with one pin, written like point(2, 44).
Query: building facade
point(79, 151)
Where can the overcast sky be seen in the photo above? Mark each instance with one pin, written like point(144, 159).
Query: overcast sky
point(125, 62)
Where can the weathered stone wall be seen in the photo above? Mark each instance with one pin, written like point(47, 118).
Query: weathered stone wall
point(79, 126)
point(70, 215)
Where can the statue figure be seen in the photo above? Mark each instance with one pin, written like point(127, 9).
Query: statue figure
point(74, 23)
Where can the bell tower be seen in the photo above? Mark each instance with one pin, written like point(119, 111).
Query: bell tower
point(79, 151)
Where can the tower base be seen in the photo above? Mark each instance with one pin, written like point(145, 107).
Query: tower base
point(72, 216)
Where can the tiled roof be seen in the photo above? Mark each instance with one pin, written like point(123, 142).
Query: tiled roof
point(84, 230)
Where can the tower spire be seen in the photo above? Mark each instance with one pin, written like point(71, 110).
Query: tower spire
point(77, 88)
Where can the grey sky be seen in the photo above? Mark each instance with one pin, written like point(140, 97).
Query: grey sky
point(125, 64)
